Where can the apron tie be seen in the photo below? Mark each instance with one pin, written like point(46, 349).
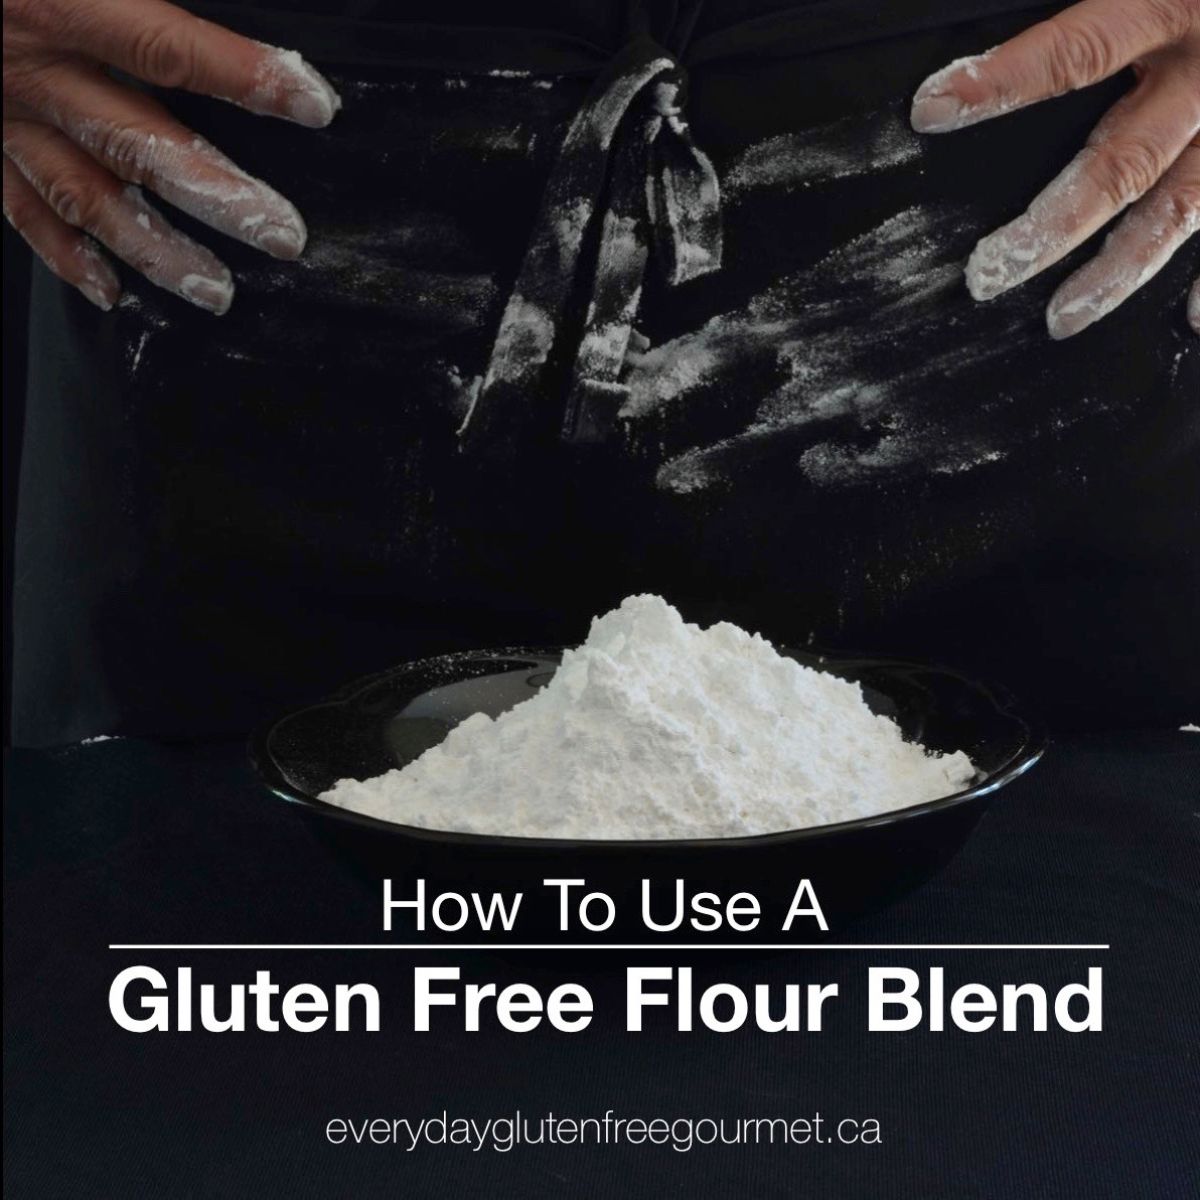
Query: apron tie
point(628, 152)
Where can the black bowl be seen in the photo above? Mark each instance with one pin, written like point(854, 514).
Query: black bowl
point(854, 867)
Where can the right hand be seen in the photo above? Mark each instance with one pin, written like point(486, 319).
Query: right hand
point(1143, 156)
point(79, 147)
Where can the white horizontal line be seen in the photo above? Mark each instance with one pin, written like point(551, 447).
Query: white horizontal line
point(422, 947)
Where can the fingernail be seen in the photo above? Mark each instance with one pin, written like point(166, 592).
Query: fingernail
point(213, 295)
point(96, 296)
point(1067, 315)
point(1081, 300)
point(1193, 306)
point(1000, 261)
point(937, 109)
point(936, 114)
point(987, 270)
point(308, 97)
point(100, 283)
point(314, 108)
point(282, 241)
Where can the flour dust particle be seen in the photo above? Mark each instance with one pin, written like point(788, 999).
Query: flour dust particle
point(656, 728)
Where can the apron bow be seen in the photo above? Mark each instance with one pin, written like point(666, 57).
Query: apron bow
point(629, 165)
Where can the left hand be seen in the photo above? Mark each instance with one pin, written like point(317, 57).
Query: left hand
point(1144, 153)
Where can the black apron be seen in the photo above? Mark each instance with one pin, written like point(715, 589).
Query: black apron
point(602, 302)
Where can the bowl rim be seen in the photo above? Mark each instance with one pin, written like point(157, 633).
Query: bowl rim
point(1034, 743)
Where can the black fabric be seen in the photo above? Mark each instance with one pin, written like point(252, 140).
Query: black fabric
point(463, 33)
point(135, 842)
point(630, 180)
point(722, 27)
point(832, 444)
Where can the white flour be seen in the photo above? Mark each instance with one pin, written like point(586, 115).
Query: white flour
point(937, 108)
point(856, 145)
point(852, 341)
point(655, 728)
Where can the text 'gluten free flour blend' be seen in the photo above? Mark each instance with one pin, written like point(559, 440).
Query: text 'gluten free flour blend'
point(655, 728)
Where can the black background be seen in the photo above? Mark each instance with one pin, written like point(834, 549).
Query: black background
point(132, 842)
point(15, 330)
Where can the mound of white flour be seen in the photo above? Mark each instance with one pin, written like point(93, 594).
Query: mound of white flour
point(655, 728)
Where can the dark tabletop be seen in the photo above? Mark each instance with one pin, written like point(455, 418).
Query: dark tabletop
point(136, 842)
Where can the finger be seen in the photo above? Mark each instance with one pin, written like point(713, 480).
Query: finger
point(1126, 154)
point(72, 256)
point(140, 142)
point(164, 45)
point(1193, 306)
point(1136, 250)
point(1080, 46)
point(83, 194)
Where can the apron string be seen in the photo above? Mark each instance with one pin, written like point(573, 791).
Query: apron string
point(628, 163)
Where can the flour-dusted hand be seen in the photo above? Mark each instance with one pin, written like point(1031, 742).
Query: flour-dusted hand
point(79, 147)
point(1145, 152)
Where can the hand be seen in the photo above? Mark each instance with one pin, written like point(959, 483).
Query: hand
point(79, 147)
point(1145, 152)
